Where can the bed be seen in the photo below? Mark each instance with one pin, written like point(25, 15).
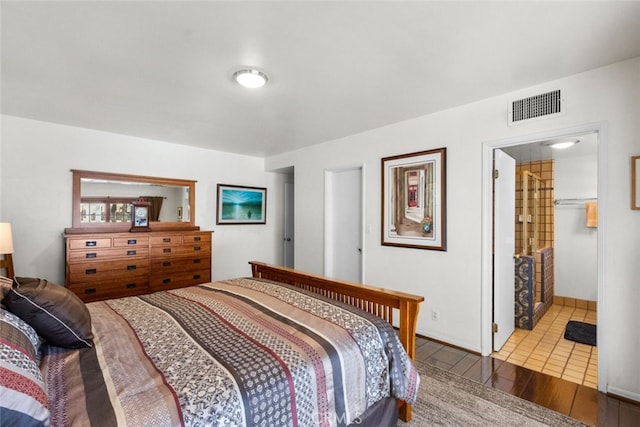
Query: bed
point(282, 347)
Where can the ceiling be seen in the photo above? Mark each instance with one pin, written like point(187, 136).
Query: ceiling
point(586, 147)
point(162, 70)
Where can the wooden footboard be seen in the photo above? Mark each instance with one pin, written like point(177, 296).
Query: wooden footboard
point(374, 300)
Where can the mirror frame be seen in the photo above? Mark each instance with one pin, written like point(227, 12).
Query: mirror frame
point(78, 227)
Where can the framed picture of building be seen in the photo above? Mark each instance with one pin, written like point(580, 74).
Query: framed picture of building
point(414, 200)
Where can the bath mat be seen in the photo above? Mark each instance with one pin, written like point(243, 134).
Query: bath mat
point(581, 332)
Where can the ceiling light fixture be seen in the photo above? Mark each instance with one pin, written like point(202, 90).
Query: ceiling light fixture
point(562, 144)
point(250, 78)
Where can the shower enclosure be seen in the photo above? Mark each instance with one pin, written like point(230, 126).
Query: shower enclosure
point(531, 210)
point(534, 248)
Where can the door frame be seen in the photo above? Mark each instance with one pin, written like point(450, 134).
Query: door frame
point(601, 128)
point(329, 175)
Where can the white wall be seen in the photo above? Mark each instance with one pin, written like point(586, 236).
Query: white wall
point(36, 191)
point(36, 198)
point(451, 280)
point(576, 245)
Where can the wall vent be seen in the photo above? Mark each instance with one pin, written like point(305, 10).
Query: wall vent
point(543, 105)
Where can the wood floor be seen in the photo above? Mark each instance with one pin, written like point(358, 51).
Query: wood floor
point(575, 400)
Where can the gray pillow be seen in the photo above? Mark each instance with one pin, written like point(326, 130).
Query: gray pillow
point(56, 313)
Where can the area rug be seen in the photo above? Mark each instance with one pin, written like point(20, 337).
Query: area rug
point(581, 332)
point(447, 399)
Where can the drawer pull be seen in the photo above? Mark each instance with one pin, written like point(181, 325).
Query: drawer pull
point(166, 264)
point(132, 242)
point(196, 276)
point(196, 248)
point(167, 250)
point(166, 239)
point(168, 280)
point(131, 267)
point(131, 285)
point(90, 291)
point(196, 239)
point(131, 252)
point(90, 271)
point(91, 255)
point(90, 243)
point(197, 261)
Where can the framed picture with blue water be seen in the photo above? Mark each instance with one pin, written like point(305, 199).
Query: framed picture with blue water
point(241, 205)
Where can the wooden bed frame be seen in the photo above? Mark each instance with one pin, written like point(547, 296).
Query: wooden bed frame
point(377, 301)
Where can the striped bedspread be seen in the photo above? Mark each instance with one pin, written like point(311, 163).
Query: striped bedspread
point(231, 353)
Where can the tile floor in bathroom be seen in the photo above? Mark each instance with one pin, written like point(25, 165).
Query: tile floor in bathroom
point(545, 350)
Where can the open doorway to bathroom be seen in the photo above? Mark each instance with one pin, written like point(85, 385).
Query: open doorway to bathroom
point(556, 255)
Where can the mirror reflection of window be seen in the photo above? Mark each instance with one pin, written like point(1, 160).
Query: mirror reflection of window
point(115, 192)
point(105, 210)
point(92, 212)
point(157, 195)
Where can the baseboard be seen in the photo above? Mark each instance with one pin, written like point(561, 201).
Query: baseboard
point(625, 395)
point(449, 343)
point(575, 302)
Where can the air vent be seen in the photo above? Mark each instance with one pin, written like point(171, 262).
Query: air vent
point(544, 105)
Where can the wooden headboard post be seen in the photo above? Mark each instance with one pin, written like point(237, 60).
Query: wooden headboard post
point(378, 301)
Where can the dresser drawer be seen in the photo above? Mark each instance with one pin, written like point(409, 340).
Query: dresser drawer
point(196, 238)
point(89, 243)
point(107, 254)
point(166, 239)
point(177, 280)
point(128, 242)
point(162, 267)
point(178, 239)
point(111, 289)
point(100, 271)
point(193, 249)
point(110, 265)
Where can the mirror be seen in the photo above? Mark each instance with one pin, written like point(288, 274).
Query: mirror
point(102, 202)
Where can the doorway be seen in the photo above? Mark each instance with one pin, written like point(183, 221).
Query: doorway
point(343, 255)
point(289, 224)
point(523, 143)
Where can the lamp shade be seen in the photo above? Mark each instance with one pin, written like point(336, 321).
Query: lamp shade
point(6, 239)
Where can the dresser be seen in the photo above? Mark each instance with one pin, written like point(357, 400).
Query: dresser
point(111, 265)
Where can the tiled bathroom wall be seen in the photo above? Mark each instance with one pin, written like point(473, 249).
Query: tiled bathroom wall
point(544, 169)
point(543, 280)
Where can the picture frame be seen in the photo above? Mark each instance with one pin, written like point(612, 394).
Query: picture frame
point(414, 200)
point(635, 183)
point(140, 216)
point(241, 205)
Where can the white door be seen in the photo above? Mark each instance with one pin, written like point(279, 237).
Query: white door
point(343, 224)
point(288, 238)
point(504, 246)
